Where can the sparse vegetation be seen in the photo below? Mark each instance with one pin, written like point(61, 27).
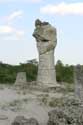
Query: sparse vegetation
point(55, 102)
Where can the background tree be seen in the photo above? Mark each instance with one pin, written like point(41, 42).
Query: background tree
point(64, 73)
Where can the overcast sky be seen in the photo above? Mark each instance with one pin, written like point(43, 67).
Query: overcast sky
point(17, 25)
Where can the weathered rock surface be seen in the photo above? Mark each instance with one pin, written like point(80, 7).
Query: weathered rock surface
point(3, 117)
point(78, 78)
point(71, 113)
point(21, 120)
point(46, 38)
point(21, 79)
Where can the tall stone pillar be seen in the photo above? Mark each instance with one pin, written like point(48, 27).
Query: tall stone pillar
point(46, 39)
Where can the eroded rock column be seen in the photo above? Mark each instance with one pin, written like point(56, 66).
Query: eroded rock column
point(46, 39)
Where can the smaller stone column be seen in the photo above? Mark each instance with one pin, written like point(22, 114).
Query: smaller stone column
point(78, 79)
point(21, 79)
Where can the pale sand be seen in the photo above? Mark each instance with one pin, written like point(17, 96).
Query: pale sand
point(26, 105)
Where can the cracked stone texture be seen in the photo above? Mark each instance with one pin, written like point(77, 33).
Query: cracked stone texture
point(21, 79)
point(78, 78)
point(70, 113)
point(46, 38)
point(21, 120)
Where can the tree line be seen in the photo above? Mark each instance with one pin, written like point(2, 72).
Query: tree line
point(8, 73)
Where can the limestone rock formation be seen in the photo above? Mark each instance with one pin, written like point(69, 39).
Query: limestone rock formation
point(21, 79)
point(21, 120)
point(70, 113)
point(3, 117)
point(46, 37)
point(78, 78)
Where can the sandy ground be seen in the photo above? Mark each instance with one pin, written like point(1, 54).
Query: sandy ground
point(14, 102)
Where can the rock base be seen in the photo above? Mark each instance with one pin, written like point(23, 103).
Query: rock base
point(21, 120)
point(70, 113)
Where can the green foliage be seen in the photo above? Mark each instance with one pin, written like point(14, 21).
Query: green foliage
point(8, 72)
point(64, 73)
point(59, 71)
point(31, 72)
